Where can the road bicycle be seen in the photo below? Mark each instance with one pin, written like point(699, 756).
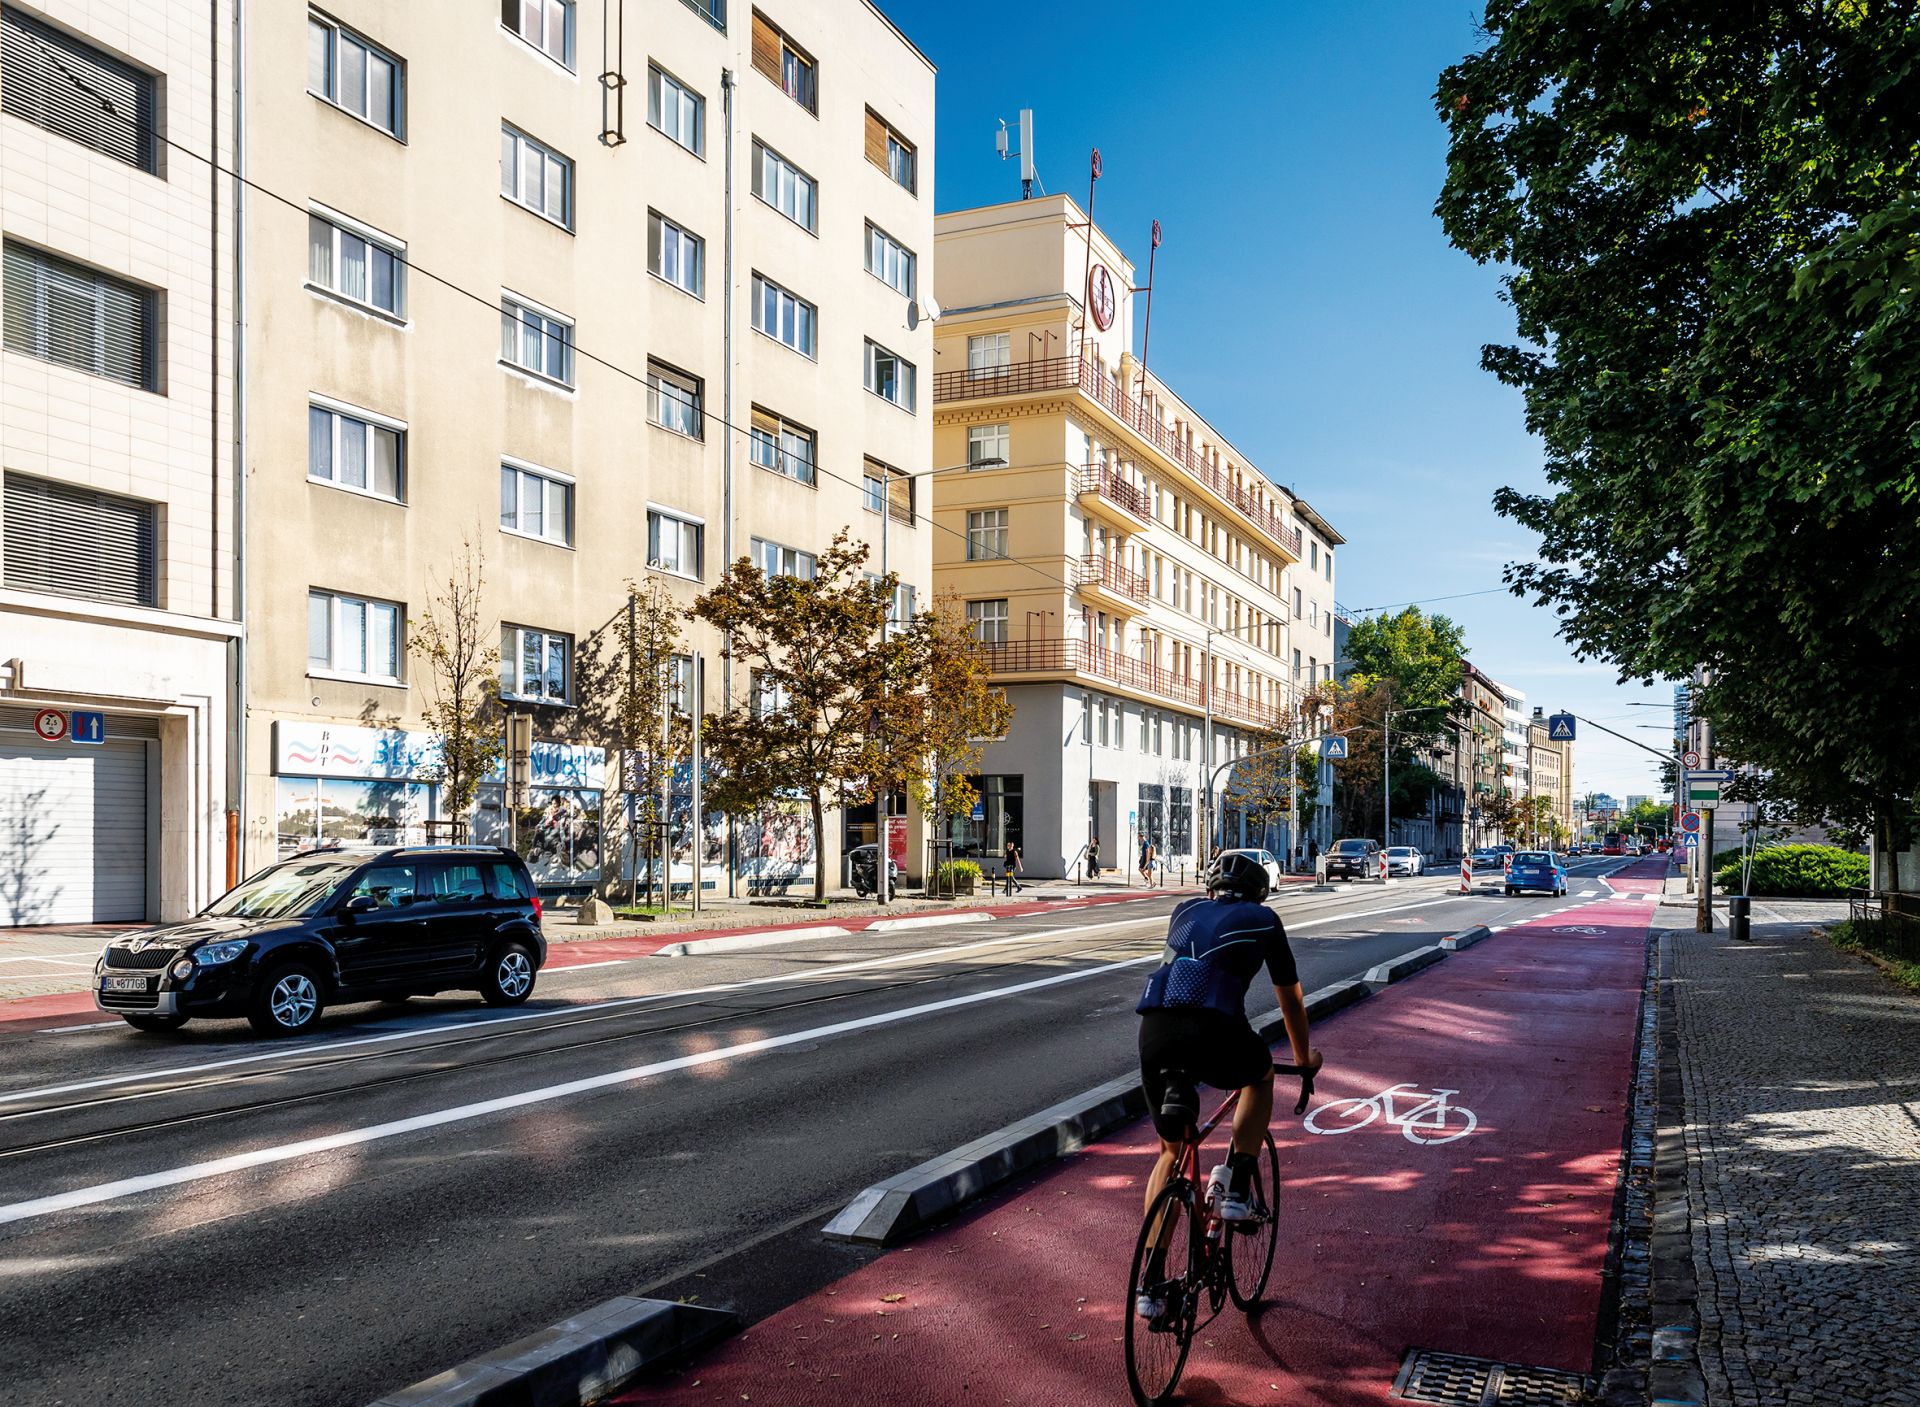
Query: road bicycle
point(1207, 1261)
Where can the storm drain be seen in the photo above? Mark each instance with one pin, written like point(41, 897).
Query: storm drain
point(1454, 1380)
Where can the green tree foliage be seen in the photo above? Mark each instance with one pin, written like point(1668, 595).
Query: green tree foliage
point(1710, 215)
point(941, 714)
point(1417, 658)
point(453, 642)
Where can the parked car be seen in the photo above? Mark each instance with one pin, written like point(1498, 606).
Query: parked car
point(1266, 859)
point(333, 926)
point(1404, 859)
point(1353, 859)
point(861, 874)
point(1537, 869)
point(1488, 860)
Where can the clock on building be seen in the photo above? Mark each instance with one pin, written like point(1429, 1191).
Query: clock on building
point(1100, 297)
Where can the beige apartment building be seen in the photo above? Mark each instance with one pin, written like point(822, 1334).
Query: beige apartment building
point(118, 607)
point(1138, 584)
point(591, 331)
point(1550, 773)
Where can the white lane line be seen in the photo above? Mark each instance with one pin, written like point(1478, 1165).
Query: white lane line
point(372, 1133)
point(583, 966)
point(62, 1030)
point(91, 955)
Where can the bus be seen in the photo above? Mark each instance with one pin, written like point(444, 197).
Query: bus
point(1612, 843)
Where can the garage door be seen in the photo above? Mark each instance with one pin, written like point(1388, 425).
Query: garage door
point(73, 831)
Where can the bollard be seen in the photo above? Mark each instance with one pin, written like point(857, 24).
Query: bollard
point(1740, 918)
point(1466, 874)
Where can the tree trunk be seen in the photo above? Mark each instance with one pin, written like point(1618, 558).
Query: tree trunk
point(819, 848)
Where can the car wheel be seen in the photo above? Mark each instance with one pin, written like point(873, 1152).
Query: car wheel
point(1511, 891)
point(155, 1022)
point(287, 1001)
point(509, 979)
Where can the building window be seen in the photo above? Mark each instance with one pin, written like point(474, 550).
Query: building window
point(782, 447)
point(1313, 555)
point(1327, 563)
point(989, 354)
point(71, 541)
point(1296, 666)
point(536, 177)
point(785, 186)
point(674, 543)
point(536, 503)
point(768, 694)
point(675, 110)
point(357, 264)
point(74, 316)
point(890, 376)
point(783, 316)
point(987, 446)
point(784, 64)
point(987, 535)
point(675, 255)
point(776, 560)
point(989, 621)
point(1297, 603)
point(1179, 820)
point(1001, 811)
point(535, 664)
point(535, 339)
point(351, 449)
point(890, 261)
point(354, 75)
point(881, 484)
point(890, 151)
point(353, 636)
point(47, 77)
point(545, 24)
point(673, 401)
point(714, 12)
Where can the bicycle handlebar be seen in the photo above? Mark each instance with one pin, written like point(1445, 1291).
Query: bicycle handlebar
point(1306, 1082)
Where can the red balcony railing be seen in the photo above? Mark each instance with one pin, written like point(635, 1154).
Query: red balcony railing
point(1114, 487)
point(1101, 570)
point(1078, 657)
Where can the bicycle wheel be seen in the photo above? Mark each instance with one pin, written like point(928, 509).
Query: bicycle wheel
point(1157, 1351)
point(1250, 1249)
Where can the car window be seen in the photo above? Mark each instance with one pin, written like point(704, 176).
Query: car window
point(507, 882)
point(1533, 857)
point(452, 884)
point(391, 886)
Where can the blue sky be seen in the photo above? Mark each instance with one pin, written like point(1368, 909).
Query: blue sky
point(1306, 301)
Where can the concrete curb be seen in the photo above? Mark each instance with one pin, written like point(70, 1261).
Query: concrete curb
point(735, 942)
point(894, 925)
point(1406, 964)
point(1466, 938)
point(579, 1360)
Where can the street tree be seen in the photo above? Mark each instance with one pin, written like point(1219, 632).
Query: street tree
point(1709, 219)
point(1418, 658)
point(1360, 708)
point(940, 714)
point(1278, 772)
point(1504, 812)
point(454, 642)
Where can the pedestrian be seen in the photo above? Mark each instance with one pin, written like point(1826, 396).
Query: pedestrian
point(1012, 863)
point(1146, 862)
point(1313, 851)
point(1093, 858)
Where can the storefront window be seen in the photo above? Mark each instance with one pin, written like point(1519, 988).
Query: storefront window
point(996, 818)
point(352, 812)
point(1179, 820)
point(558, 834)
point(1153, 817)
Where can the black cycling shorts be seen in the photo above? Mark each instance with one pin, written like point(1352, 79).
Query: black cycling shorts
point(1209, 1047)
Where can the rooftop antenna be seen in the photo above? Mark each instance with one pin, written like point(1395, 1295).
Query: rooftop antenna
point(1025, 151)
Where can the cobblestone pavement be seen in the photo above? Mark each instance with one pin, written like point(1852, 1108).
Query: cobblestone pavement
point(1801, 1071)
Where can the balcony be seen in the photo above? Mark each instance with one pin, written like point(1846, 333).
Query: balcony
point(1103, 490)
point(1077, 657)
point(1077, 374)
point(1100, 575)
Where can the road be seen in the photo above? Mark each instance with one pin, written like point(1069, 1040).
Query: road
point(221, 1220)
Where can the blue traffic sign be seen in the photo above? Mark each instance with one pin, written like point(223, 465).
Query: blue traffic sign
point(86, 727)
point(979, 812)
point(1690, 840)
point(1710, 774)
point(1560, 727)
point(1333, 747)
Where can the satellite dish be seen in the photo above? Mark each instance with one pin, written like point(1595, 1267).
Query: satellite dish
point(915, 313)
point(933, 311)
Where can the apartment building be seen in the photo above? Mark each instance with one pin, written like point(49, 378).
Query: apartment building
point(1550, 770)
point(1481, 744)
point(1316, 650)
point(584, 295)
point(117, 596)
point(1137, 582)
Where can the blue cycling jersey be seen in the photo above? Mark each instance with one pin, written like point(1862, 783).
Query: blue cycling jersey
point(1214, 951)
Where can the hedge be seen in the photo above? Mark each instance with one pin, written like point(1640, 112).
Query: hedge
point(1799, 871)
point(951, 871)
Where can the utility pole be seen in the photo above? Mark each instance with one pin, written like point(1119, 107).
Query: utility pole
point(1703, 914)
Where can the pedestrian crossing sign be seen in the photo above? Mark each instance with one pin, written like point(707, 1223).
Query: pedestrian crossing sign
point(1333, 747)
point(1690, 840)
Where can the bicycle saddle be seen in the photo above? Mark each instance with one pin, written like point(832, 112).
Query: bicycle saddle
point(1179, 1101)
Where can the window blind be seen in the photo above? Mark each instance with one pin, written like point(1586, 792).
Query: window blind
point(61, 312)
point(55, 81)
point(69, 540)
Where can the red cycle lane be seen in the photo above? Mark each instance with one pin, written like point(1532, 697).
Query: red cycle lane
point(1401, 1227)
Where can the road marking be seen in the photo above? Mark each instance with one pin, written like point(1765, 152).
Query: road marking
point(91, 955)
point(372, 1133)
point(62, 1030)
point(1429, 1121)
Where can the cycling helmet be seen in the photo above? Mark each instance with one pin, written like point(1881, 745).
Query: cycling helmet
point(1238, 877)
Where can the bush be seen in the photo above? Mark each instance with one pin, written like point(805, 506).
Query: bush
point(958, 875)
point(1799, 871)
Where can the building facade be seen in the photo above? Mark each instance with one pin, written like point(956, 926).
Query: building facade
point(1138, 584)
point(1481, 761)
point(564, 307)
point(118, 604)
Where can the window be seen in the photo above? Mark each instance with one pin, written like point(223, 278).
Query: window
point(785, 318)
point(545, 24)
point(989, 621)
point(62, 312)
point(71, 541)
point(674, 543)
point(714, 12)
point(785, 186)
point(775, 560)
point(536, 340)
point(890, 376)
point(769, 695)
point(353, 636)
point(873, 488)
point(535, 664)
point(354, 450)
point(356, 264)
point(787, 67)
point(536, 177)
point(987, 443)
point(675, 110)
point(1296, 666)
point(782, 447)
point(675, 255)
point(536, 503)
point(389, 886)
point(989, 354)
point(1313, 555)
point(986, 535)
point(1327, 563)
point(46, 76)
point(890, 261)
point(1297, 604)
point(890, 151)
point(880, 484)
point(673, 401)
point(355, 76)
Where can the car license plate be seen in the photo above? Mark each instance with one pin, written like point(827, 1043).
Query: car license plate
point(123, 984)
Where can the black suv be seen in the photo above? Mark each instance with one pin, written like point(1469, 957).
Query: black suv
point(1353, 859)
point(335, 926)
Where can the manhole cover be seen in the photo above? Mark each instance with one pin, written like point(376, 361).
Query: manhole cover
point(1456, 1380)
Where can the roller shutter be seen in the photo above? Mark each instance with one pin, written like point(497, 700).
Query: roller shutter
point(75, 831)
point(55, 81)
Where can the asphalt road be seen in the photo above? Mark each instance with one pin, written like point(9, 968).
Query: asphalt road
point(207, 1218)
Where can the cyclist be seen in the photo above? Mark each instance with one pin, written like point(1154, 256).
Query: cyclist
point(1193, 1025)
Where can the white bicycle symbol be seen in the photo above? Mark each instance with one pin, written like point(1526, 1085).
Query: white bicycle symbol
point(1431, 1119)
point(1580, 928)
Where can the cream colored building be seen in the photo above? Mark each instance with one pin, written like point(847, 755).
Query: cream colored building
point(1133, 576)
point(596, 331)
point(117, 596)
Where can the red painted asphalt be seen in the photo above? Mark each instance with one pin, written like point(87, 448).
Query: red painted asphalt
point(1491, 1243)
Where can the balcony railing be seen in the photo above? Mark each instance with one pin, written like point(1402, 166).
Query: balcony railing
point(1116, 489)
point(1073, 373)
point(1101, 570)
point(1079, 657)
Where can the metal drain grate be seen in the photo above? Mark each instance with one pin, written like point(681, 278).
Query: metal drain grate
point(1454, 1380)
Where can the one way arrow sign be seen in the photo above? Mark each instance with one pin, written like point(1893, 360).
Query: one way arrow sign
point(1560, 727)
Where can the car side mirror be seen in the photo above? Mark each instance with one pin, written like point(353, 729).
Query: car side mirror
point(361, 904)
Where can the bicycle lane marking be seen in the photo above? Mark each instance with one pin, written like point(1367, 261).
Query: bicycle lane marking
point(1490, 1243)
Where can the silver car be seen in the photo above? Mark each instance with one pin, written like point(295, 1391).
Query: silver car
point(1404, 859)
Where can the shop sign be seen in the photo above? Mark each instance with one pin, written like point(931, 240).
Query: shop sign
point(395, 754)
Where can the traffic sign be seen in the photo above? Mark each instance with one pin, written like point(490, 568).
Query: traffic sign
point(1690, 759)
point(1690, 821)
point(1560, 727)
point(1710, 774)
point(1703, 793)
point(50, 724)
point(88, 727)
point(1690, 841)
point(1333, 747)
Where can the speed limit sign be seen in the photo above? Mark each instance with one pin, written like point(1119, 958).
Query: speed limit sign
point(1691, 759)
point(50, 724)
